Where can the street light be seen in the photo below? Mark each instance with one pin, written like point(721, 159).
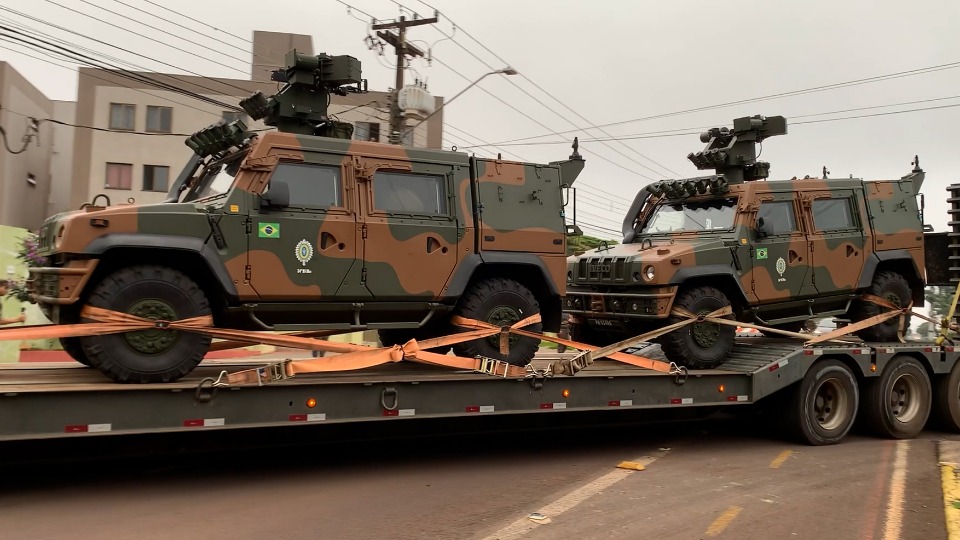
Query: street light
point(505, 71)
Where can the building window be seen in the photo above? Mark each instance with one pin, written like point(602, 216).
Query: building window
point(119, 176)
point(832, 214)
point(778, 217)
point(155, 177)
point(230, 116)
point(311, 186)
point(159, 119)
point(122, 116)
point(409, 193)
point(367, 131)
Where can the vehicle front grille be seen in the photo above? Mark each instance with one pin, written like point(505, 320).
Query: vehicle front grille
point(602, 270)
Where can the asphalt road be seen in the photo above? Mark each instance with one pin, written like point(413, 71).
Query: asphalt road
point(719, 478)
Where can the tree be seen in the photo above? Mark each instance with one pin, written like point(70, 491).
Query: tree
point(580, 243)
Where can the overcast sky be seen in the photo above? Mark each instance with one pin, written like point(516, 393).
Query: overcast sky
point(609, 61)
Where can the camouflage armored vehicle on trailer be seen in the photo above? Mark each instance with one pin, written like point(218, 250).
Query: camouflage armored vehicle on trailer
point(305, 229)
point(778, 252)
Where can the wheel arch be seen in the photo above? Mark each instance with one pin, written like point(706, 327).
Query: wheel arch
point(719, 277)
point(896, 260)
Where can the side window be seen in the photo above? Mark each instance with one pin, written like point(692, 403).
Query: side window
point(311, 186)
point(778, 217)
point(409, 193)
point(832, 214)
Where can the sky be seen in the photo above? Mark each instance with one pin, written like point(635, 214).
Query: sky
point(582, 64)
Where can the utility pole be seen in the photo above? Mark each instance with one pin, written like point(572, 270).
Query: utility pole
point(399, 42)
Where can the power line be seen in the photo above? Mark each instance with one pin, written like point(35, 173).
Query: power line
point(58, 27)
point(814, 89)
point(192, 53)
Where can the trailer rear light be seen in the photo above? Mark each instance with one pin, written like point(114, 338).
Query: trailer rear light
point(566, 393)
point(311, 403)
point(873, 368)
point(720, 388)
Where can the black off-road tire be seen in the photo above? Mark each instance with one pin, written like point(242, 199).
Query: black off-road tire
point(891, 286)
point(822, 408)
point(897, 404)
point(682, 346)
point(72, 346)
point(497, 301)
point(150, 356)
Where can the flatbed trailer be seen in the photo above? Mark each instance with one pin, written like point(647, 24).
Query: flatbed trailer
point(818, 391)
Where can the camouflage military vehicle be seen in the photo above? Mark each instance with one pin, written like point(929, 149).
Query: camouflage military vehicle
point(304, 229)
point(778, 252)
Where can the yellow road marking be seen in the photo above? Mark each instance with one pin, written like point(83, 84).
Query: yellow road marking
point(778, 461)
point(897, 487)
point(723, 521)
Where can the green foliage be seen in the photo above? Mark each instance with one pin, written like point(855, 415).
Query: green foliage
point(29, 254)
point(939, 299)
point(580, 243)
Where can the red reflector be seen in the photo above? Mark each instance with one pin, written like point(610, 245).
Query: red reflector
point(675, 401)
point(75, 429)
point(774, 367)
point(928, 349)
point(949, 349)
point(391, 413)
point(731, 398)
point(613, 403)
point(193, 423)
point(546, 405)
point(858, 351)
point(808, 352)
point(298, 418)
point(473, 408)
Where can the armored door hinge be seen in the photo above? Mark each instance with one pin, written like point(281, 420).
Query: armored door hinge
point(363, 276)
point(248, 224)
point(246, 273)
point(363, 231)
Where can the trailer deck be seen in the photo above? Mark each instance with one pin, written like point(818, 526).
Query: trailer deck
point(68, 400)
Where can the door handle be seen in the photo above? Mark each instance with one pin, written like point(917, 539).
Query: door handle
point(794, 257)
point(433, 245)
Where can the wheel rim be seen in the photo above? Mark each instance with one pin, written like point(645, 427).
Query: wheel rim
point(905, 398)
point(152, 341)
point(705, 334)
point(830, 404)
point(503, 316)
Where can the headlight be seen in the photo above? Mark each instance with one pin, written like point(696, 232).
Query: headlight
point(649, 273)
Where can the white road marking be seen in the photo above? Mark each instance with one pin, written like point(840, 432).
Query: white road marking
point(553, 509)
point(898, 485)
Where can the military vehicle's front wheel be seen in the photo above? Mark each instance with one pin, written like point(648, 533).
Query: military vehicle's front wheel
point(893, 288)
point(701, 345)
point(148, 356)
point(501, 302)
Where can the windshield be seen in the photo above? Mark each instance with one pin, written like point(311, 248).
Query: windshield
point(715, 214)
point(215, 179)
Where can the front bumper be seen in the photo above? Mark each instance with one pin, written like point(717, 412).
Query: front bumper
point(60, 285)
point(652, 303)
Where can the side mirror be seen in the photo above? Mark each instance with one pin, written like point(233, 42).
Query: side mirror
point(761, 231)
point(278, 196)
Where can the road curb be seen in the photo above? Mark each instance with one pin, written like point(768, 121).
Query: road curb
point(949, 460)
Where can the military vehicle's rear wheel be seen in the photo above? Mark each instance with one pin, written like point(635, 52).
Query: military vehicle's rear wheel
point(501, 302)
point(893, 288)
point(701, 345)
point(147, 356)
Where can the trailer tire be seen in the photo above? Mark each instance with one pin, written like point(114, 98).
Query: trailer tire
point(148, 356)
point(892, 287)
point(946, 400)
point(499, 301)
point(897, 403)
point(701, 345)
point(823, 406)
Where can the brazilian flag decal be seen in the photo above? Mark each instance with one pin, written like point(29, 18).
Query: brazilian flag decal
point(268, 230)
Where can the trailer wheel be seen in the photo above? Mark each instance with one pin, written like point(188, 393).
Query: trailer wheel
point(701, 345)
point(946, 400)
point(823, 406)
point(893, 288)
point(148, 356)
point(501, 302)
point(897, 403)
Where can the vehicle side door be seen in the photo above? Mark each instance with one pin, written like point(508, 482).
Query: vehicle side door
point(837, 241)
point(410, 230)
point(780, 251)
point(304, 250)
